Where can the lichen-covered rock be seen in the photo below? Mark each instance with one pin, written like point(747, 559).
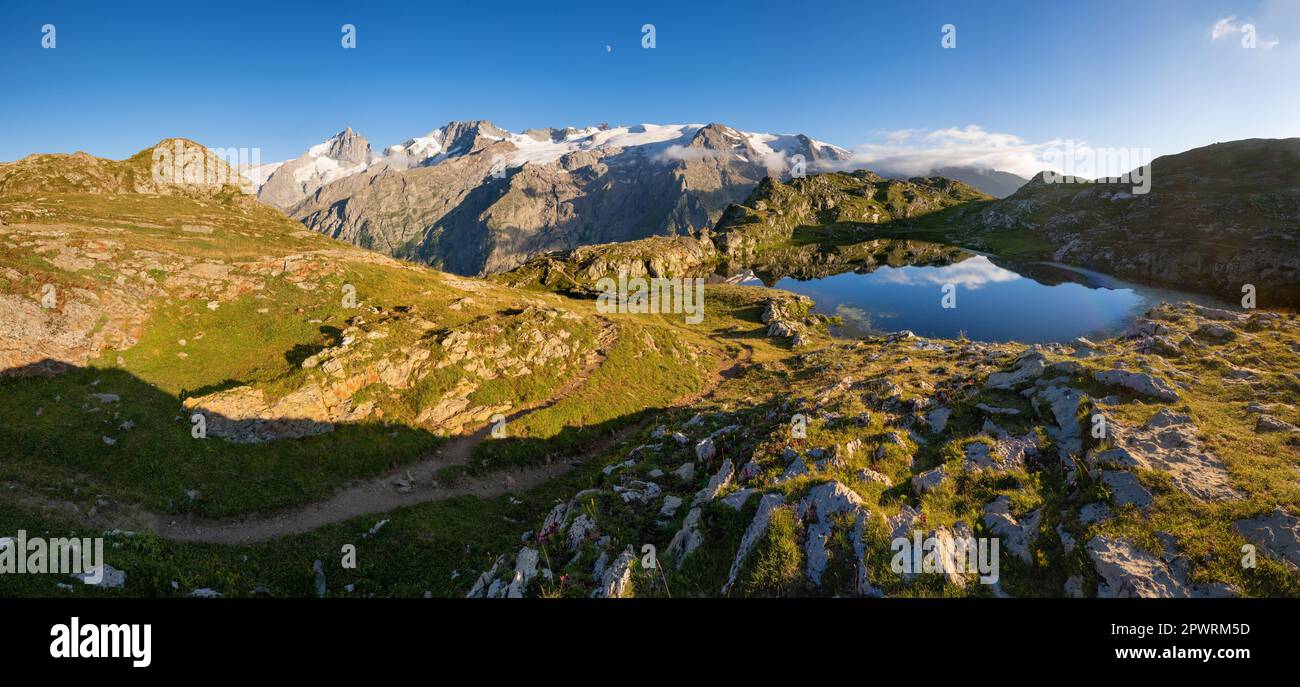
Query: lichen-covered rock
point(670, 505)
point(685, 472)
point(737, 499)
point(1064, 404)
point(525, 571)
point(1007, 452)
point(580, 529)
point(1128, 571)
point(1268, 423)
point(638, 491)
point(869, 475)
point(937, 419)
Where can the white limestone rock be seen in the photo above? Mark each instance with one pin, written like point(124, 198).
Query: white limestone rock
point(756, 530)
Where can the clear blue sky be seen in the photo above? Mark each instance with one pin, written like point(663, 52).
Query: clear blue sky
point(274, 76)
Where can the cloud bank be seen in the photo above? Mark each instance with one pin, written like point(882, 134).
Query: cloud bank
point(918, 152)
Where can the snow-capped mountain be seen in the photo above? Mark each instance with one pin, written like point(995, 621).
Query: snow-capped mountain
point(473, 198)
point(347, 152)
point(287, 183)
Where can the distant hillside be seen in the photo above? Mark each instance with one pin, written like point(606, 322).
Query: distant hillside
point(763, 226)
point(199, 170)
point(775, 210)
point(1216, 218)
point(989, 181)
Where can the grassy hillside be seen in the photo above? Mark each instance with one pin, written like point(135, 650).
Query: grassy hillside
point(503, 438)
point(316, 363)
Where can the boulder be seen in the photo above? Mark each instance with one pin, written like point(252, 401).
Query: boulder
point(737, 499)
point(1015, 536)
point(1064, 403)
point(1277, 533)
point(929, 480)
point(1130, 572)
point(819, 509)
point(1138, 382)
point(1126, 489)
point(112, 578)
point(617, 579)
point(687, 539)
point(525, 571)
point(869, 475)
point(638, 492)
point(717, 483)
point(579, 531)
point(1168, 443)
point(937, 419)
point(670, 505)
point(1268, 423)
point(1029, 366)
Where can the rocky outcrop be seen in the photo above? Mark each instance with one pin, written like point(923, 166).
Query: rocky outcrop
point(768, 218)
point(1168, 443)
point(1029, 366)
point(617, 580)
point(753, 533)
point(1128, 571)
point(1139, 383)
point(823, 504)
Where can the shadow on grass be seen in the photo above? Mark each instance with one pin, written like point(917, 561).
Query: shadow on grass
point(82, 432)
point(570, 442)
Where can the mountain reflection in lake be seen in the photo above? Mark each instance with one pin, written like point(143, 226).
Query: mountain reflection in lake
point(992, 303)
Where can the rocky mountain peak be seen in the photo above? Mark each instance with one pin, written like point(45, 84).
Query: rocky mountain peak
point(348, 147)
point(717, 137)
point(460, 137)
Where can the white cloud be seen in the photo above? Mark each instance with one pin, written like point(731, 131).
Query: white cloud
point(914, 152)
point(1226, 26)
point(970, 274)
point(680, 152)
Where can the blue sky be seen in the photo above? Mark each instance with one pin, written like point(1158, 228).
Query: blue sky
point(274, 76)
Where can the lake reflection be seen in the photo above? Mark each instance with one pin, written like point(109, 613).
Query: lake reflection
point(992, 303)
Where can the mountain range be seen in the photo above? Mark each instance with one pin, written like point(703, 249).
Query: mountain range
point(472, 198)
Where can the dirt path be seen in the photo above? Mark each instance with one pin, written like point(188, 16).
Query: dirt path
point(381, 494)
